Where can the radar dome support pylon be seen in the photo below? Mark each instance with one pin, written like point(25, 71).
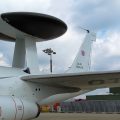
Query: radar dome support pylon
point(25, 54)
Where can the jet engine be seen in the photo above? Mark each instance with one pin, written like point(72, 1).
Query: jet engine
point(12, 108)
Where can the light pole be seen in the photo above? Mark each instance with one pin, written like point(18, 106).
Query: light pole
point(49, 51)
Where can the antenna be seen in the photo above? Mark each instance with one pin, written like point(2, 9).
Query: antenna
point(84, 29)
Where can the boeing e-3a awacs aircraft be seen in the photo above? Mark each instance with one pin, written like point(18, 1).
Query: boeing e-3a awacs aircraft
point(23, 88)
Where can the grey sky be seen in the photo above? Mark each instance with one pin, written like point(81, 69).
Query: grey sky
point(101, 16)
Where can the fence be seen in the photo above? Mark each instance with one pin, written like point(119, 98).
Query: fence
point(107, 106)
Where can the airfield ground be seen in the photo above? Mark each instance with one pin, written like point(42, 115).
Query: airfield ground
point(78, 116)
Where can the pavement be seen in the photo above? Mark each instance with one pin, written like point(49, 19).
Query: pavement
point(78, 116)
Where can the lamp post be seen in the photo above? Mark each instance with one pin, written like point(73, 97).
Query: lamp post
point(49, 51)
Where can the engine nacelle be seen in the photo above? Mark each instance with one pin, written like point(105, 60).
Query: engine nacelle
point(12, 108)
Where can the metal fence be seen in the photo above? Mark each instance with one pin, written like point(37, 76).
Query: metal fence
point(107, 106)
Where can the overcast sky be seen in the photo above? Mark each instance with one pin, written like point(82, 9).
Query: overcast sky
point(100, 16)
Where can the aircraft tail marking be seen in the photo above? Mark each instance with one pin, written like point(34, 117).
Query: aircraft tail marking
point(82, 61)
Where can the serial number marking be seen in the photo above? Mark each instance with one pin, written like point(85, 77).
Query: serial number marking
point(79, 65)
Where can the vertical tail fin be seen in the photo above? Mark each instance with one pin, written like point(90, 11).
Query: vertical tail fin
point(82, 61)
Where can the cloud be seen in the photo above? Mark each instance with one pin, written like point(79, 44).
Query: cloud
point(7, 49)
point(101, 16)
point(24, 5)
point(2, 60)
point(65, 48)
point(106, 53)
point(97, 15)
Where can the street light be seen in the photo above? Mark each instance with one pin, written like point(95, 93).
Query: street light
point(49, 51)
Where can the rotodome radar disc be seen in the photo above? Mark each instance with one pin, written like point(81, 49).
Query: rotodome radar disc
point(38, 25)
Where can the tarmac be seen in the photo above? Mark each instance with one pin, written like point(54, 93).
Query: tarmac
point(78, 116)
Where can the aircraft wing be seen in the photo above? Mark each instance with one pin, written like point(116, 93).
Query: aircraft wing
point(90, 80)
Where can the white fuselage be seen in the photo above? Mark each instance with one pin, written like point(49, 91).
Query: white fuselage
point(12, 85)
